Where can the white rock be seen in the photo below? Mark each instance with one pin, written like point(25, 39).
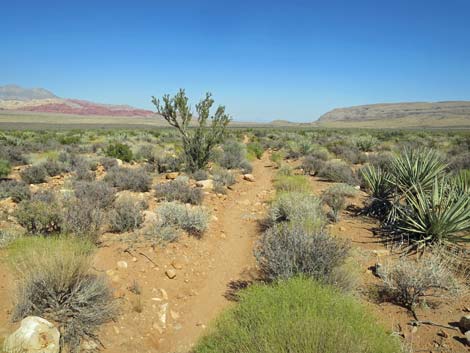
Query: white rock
point(205, 184)
point(34, 335)
point(122, 265)
point(162, 313)
point(249, 177)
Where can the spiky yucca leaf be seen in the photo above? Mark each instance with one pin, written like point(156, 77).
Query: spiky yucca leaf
point(416, 168)
point(461, 181)
point(377, 182)
point(435, 216)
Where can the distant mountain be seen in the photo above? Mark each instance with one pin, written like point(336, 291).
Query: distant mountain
point(416, 114)
point(14, 92)
point(16, 98)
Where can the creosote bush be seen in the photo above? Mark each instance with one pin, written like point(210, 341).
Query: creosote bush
point(39, 217)
point(292, 183)
point(56, 282)
point(198, 142)
point(337, 172)
point(297, 316)
point(179, 190)
point(335, 197)
point(120, 151)
point(5, 168)
point(96, 193)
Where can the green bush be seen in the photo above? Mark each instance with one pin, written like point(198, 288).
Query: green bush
point(337, 172)
point(255, 149)
point(297, 316)
point(292, 183)
point(120, 151)
point(335, 197)
point(5, 168)
point(298, 208)
point(56, 282)
point(39, 217)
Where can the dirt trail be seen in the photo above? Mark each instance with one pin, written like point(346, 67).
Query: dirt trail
point(205, 269)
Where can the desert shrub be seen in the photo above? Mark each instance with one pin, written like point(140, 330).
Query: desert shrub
point(311, 165)
point(129, 179)
point(382, 161)
point(169, 163)
point(179, 190)
point(47, 196)
point(337, 172)
point(255, 149)
point(223, 177)
point(336, 201)
point(435, 217)
point(53, 167)
point(82, 172)
point(34, 174)
point(39, 217)
point(108, 162)
point(297, 208)
point(276, 158)
point(192, 220)
point(81, 218)
point(200, 174)
point(287, 250)
point(120, 151)
point(297, 316)
point(200, 141)
point(407, 282)
point(13, 154)
point(126, 214)
point(5, 168)
point(245, 167)
point(97, 193)
point(145, 153)
point(292, 183)
point(17, 190)
point(234, 154)
point(285, 171)
point(365, 143)
point(56, 282)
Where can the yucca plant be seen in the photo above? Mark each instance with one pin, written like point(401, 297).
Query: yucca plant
point(416, 167)
point(380, 189)
point(461, 181)
point(435, 216)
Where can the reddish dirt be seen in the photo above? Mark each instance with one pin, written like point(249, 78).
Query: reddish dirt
point(207, 268)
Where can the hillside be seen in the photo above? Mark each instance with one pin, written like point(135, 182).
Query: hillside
point(39, 100)
point(396, 115)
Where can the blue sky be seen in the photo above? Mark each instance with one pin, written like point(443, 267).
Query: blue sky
point(264, 60)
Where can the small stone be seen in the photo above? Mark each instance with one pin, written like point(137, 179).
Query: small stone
point(170, 273)
point(381, 252)
point(442, 333)
point(122, 265)
point(164, 294)
point(357, 187)
point(162, 313)
point(342, 229)
point(172, 176)
point(205, 184)
point(248, 177)
point(174, 315)
point(464, 323)
point(467, 336)
point(176, 265)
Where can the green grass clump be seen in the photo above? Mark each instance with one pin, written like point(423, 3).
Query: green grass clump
point(297, 316)
point(292, 183)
